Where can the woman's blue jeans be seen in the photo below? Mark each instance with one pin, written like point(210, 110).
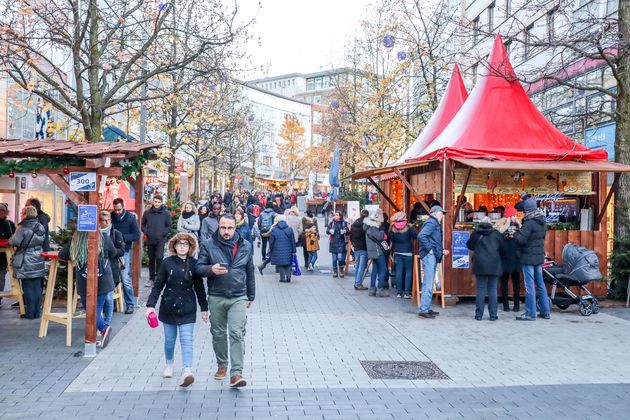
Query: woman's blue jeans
point(404, 272)
point(100, 302)
point(360, 262)
point(186, 332)
point(338, 259)
point(379, 268)
point(312, 258)
point(535, 287)
point(108, 308)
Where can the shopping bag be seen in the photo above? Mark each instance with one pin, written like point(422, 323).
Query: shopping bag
point(296, 266)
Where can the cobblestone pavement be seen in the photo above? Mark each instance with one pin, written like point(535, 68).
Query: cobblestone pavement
point(305, 343)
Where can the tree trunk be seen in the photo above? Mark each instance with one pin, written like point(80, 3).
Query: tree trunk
point(197, 179)
point(622, 134)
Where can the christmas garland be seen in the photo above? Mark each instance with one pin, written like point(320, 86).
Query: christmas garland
point(130, 167)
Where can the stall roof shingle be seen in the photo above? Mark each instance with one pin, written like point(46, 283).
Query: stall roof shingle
point(39, 148)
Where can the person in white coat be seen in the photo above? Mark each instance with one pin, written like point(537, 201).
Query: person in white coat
point(189, 220)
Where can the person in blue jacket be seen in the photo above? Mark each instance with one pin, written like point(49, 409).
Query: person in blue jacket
point(282, 246)
point(431, 252)
point(242, 225)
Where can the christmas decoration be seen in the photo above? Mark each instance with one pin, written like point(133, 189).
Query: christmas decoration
point(34, 174)
point(388, 41)
point(66, 171)
point(402, 56)
point(27, 165)
point(11, 174)
point(334, 104)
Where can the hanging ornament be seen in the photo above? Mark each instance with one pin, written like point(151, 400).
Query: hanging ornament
point(334, 104)
point(11, 174)
point(130, 178)
point(402, 56)
point(34, 174)
point(67, 202)
point(163, 6)
point(388, 41)
point(250, 118)
point(66, 171)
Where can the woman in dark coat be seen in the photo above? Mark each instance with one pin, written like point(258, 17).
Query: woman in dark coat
point(282, 247)
point(338, 230)
point(28, 263)
point(402, 235)
point(202, 213)
point(488, 245)
point(181, 289)
point(374, 237)
point(511, 262)
point(242, 225)
point(77, 251)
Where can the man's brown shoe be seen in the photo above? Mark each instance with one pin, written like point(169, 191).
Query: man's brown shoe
point(220, 375)
point(237, 381)
point(360, 287)
point(426, 315)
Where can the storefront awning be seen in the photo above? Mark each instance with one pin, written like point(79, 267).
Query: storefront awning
point(368, 173)
point(562, 165)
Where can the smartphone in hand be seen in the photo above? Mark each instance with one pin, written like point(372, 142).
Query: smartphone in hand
point(224, 265)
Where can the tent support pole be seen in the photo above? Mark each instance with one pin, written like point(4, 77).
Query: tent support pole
point(447, 200)
point(385, 196)
point(613, 187)
point(136, 253)
point(410, 188)
point(460, 199)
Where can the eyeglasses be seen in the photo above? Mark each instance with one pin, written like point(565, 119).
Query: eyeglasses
point(182, 243)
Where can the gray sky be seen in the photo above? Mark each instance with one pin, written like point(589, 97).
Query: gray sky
point(301, 35)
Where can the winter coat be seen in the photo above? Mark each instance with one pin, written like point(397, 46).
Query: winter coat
point(337, 239)
point(7, 229)
point(430, 238)
point(209, 226)
point(106, 280)
point(531, 238)
point(402, 240)
point(374, 235)
point(181, 288)
point(44, 220)
point(310, 231)
point(188, 225)
point(357, 235)
point(489, 246)
point(245, 232)
point(119, 244)
point(295, 223)
point(156, 224)
point(511, 261)
point(127, 224)
point(27, 261)
point(239, 281)
point(267, 216)
point(282, 244)
point(227, 198)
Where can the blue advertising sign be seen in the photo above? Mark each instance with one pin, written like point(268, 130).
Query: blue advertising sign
point(87, 220)
point(461, 258)
point(601, 138)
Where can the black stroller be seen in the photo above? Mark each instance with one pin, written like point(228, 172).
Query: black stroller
point(580, 266)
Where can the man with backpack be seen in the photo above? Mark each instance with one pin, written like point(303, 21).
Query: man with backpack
point(265, 222)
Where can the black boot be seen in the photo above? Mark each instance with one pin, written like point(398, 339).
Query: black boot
point(334, 272)
point(341, 273)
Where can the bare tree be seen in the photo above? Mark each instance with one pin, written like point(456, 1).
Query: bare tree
point(89, 59)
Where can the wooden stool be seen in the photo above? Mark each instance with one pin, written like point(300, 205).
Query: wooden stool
point(64, 318)
point(118, 298)
point(416, 291)
point(348, 259)
point(16, 286)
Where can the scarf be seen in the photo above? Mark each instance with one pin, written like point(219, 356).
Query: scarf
point(187, 214)
point(107, 230)
point(227, 245)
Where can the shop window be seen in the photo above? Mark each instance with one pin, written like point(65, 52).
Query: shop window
point(491, 18)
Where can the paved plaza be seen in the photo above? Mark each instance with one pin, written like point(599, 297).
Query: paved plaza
point(307, 347)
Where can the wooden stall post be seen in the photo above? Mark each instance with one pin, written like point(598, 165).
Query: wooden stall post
point(383, 194)
point(91, 285)
point(136, 256)
point(447, 224)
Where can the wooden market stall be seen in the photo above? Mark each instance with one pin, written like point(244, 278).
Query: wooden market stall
point(56, 159)
point(497, 146)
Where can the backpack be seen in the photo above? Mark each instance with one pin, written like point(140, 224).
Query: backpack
point(265, 221)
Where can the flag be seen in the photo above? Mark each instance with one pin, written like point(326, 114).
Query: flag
point(333, 176)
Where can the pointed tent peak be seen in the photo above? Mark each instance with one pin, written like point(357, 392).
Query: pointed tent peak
point(454, 97)
point(499, 64)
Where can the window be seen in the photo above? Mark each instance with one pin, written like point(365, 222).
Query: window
point(551, 24)
point(267, 160)
point(317, 99)
point(491, 18)
point(527, 39)
point(474, 70)
point(508, 8)
point(476, 30)
point(508, 47)
point(310, 84)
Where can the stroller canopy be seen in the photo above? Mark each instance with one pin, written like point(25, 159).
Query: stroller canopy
point(580, 264)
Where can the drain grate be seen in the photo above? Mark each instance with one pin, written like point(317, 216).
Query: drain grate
point(403, 370)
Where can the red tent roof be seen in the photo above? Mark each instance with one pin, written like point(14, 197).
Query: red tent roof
point(454, 97)
point(499, 121)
